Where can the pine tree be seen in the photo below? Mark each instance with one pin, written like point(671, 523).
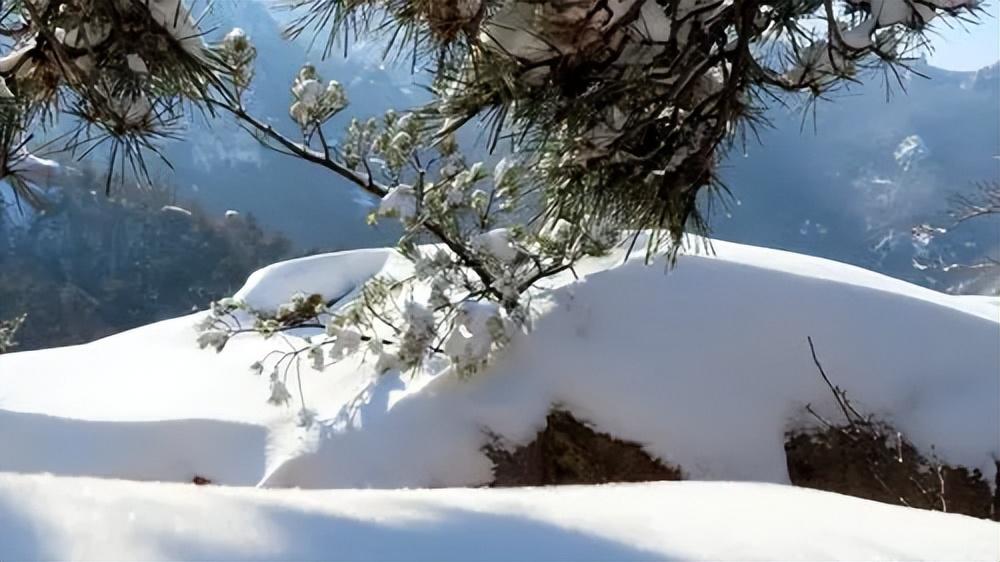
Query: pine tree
point(613, 115)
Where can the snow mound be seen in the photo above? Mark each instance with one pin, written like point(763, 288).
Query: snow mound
point(96, 448)
point(707, 365)
point(334, 276)
point(44, 517)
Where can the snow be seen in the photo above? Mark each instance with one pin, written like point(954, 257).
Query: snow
point(11, 59)
point(46, 517)
point(496, 243)
point(471, 340)
point(891, 12)
point(307, 91)
point(235, 36)
point(87, 34)
point(332, 275)
point(314, 103)
point(400, 201)
point(176, 17)
point(860, 36)
point(4, 89)
point(707, 365)
point(134, 110)
point(521, 30)
point(885, 13)
point(175, 210)
point(910, 151)
point(35, 170)
point(136, 64)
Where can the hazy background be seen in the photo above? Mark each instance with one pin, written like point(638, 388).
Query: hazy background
point(847, 182)
point(828, 183)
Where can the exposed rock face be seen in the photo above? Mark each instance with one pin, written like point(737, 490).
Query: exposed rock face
point(567, 451)
point(888, 470)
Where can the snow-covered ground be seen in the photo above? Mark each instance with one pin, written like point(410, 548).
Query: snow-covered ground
point(707, 365)
point(45, 517)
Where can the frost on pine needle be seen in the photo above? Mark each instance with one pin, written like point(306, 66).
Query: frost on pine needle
point(397, 141)
point(215, 339)
point(507, 174)
point(464, 299)
point(236, 40)
point(346, 342)
point(479, 327)
point(316, 356)
point(237, 53)
point(420, 331)
point(279, 392)
point(497, 243)
point(314, 103)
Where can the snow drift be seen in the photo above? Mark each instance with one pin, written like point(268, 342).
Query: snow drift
point(707, 365)
point(44, 517)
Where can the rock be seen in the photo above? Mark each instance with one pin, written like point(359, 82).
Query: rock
point(886, 469)
point(567, 451)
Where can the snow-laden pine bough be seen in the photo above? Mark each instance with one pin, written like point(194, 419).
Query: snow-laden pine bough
point(118, 71)
point(615, 112)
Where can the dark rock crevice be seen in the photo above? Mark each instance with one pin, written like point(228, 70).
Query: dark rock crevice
point(568, 451)
point(883, 466)
point(876, 465)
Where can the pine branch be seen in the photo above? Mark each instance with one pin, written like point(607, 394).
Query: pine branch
point(367, 183)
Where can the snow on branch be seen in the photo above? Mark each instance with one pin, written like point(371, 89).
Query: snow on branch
point(615, 115)
point(118, 70)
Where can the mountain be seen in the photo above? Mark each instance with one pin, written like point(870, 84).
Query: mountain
point(850, 181)
point(90, 266)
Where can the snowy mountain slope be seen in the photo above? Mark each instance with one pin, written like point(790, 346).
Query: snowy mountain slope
point(851, 180)
point(43, 517)
point(706, 365)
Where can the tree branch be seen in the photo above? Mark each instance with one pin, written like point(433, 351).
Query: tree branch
point(298, 149)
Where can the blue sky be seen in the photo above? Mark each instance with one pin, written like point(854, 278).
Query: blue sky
point(971, 47)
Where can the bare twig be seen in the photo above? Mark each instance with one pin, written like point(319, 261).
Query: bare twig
point(837, 392)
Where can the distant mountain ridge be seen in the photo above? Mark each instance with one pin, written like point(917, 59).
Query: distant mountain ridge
point(852, 189)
